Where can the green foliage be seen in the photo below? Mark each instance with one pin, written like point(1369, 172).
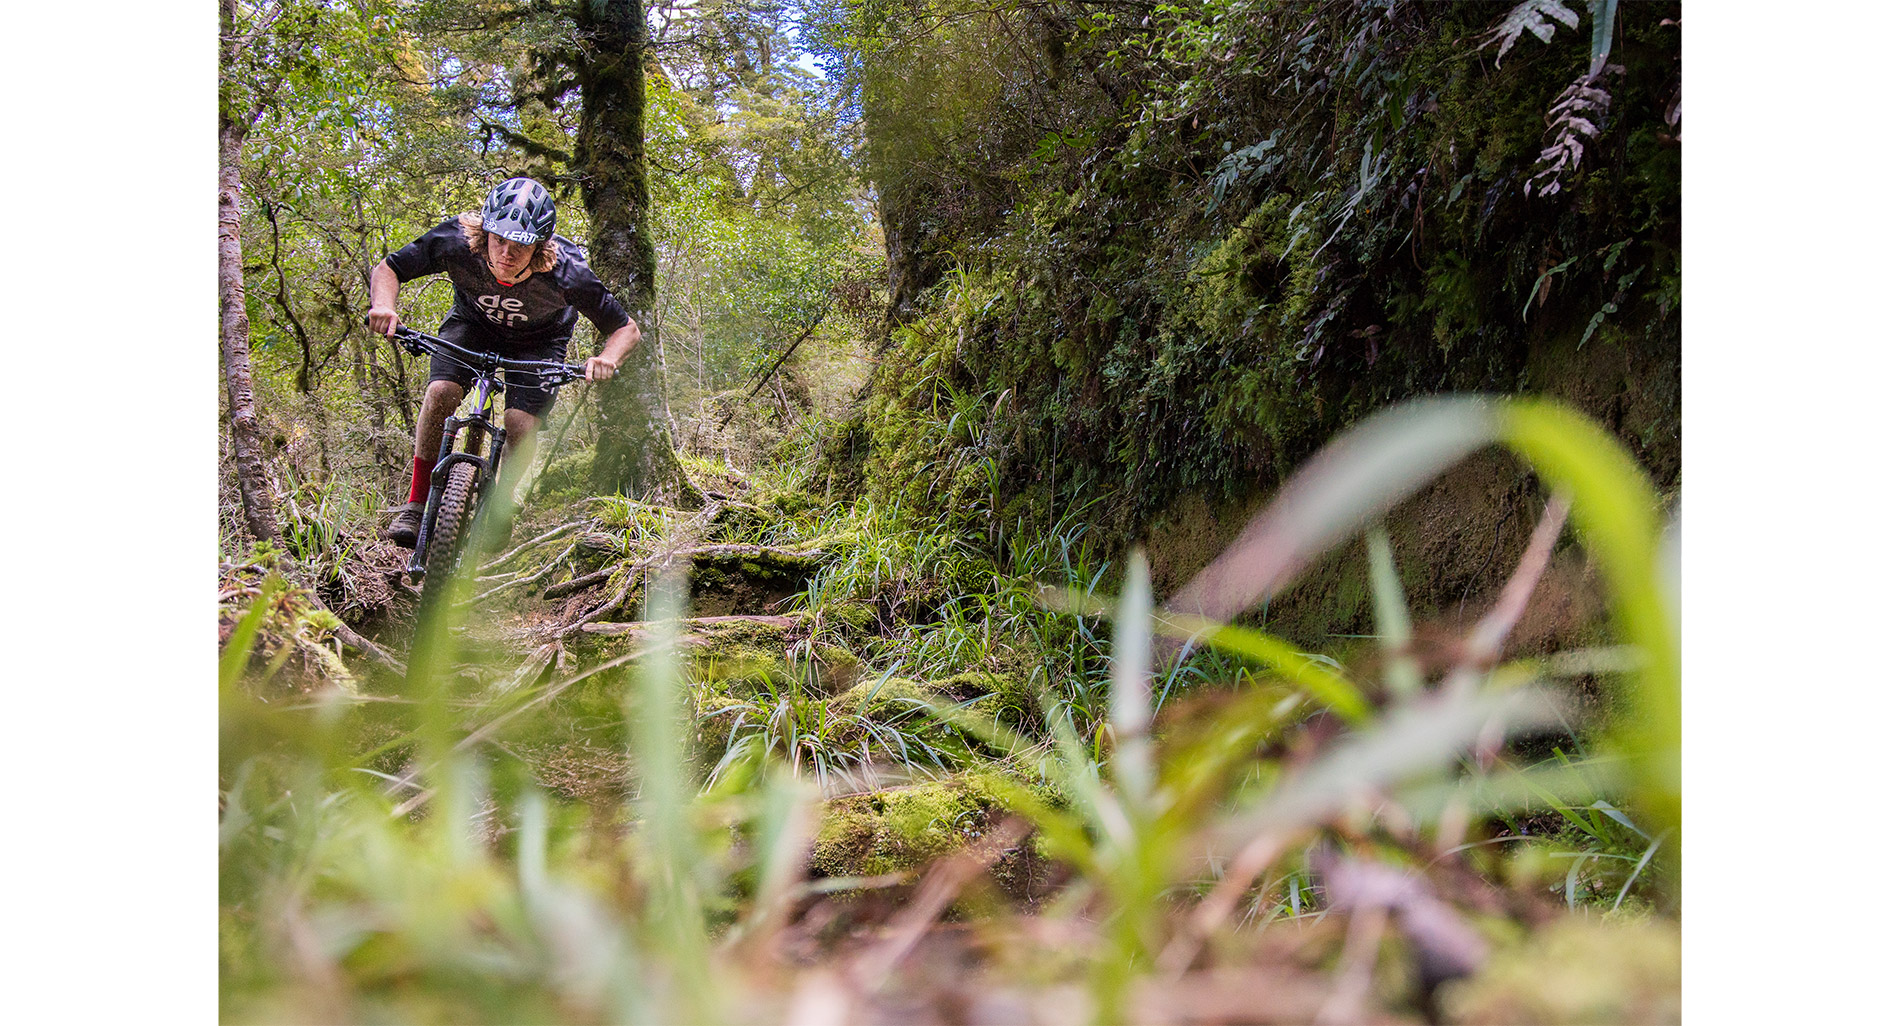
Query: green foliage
point(1258, 225)
point(411, 855)
point(374, 122)
point(1130, 257)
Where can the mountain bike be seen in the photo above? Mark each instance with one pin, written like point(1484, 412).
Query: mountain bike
point(465, 467)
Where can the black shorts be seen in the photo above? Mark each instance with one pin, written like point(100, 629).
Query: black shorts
point(523, 392)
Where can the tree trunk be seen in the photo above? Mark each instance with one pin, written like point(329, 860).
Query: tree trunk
point(234, 324)
point(634, 454)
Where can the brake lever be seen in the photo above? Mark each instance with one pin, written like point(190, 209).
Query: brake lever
point(406, 338)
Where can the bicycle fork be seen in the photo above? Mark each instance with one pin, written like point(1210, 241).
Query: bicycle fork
point(446, 457)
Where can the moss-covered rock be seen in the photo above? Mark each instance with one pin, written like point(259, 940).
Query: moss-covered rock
point(1005, 700)
point(739, 579)
point(739, 666)
point(883, 699)
point(1579, 970)
point(902, 827)
point(853, 620)
point(833, 667)
point(737, 522)
point(791, 502)
point(756, 632)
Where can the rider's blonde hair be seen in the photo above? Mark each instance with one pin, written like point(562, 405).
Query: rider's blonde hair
point(477, 237)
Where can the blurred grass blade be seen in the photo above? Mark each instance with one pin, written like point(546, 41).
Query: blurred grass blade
point(1394, 622)
point(1616, 814)
point(1357, 477)
point(1131, 701)
point(1301, 668)
point(1615, 510)
point(1669, 572)
point(1486, 640)
point(1079, 773)
point(1424, 736)
point(786, 821)
point(674, 916)
point(531, 845)
point(1641, 864)
point(1512, 790)
point(237, 648)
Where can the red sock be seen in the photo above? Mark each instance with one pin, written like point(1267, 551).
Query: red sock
point(419, 480)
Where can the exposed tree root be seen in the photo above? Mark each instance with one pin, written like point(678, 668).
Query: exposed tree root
point(687, 626)
point(343, 632)
point(677, 544)
point(502, 560)
point(581, 583)
point(517, 580)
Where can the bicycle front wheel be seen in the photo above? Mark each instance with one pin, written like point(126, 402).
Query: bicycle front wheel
point(454, 515)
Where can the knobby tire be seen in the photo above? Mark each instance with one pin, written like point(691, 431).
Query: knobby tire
point(453, 518)
point(454, 515)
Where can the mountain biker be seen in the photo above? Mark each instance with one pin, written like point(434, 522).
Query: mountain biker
point(518, 288)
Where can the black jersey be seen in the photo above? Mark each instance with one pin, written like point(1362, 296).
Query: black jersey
point(540, 308)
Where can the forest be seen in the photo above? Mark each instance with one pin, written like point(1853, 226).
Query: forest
point(1120, 511)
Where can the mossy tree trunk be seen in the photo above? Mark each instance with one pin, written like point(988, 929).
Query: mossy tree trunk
point(634, 455)
point(235, 118)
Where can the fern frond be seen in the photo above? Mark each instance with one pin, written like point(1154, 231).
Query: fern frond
point(1530, 16)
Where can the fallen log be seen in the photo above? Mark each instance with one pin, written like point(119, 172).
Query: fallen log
point(693, 627)
point(705, 554)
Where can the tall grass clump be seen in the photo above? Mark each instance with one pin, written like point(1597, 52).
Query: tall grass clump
point(1146, 822)
point(390, 857)
point(1189, 788)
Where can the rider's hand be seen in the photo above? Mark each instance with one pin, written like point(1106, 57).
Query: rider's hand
point(383, 320)
point(600, 368)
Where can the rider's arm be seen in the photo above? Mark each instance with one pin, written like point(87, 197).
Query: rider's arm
point(426, 255)
point(382, 298)
point(613, 352)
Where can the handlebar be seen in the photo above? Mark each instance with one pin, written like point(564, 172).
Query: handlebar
point(551, 372)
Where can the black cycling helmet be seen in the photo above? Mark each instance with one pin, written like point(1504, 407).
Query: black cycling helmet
point(519, 209)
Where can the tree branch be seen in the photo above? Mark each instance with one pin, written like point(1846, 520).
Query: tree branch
point(533, 148)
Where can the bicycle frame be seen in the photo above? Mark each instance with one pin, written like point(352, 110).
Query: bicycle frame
point(480, 426)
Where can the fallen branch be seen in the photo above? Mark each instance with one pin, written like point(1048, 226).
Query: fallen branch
point(689, 625)
point(1486, 641)
point(694, 527)
point(581, 583)
point(707, 552)
point(517, 579)
point(376, 652)
point(517, 550)
point(638, 573)
point(704, 552)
